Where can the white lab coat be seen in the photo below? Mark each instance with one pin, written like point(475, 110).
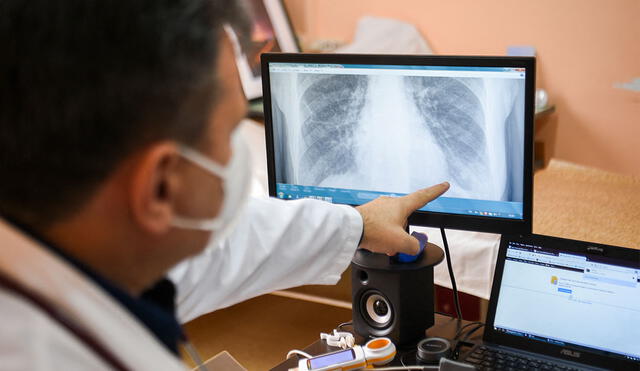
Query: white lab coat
point(276, 245)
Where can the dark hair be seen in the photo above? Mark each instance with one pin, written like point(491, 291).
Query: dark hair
point(84, 83)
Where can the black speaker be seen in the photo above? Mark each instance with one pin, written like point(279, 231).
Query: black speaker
point(393, 299)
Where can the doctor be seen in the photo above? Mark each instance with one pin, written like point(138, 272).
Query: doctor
point(119, 159)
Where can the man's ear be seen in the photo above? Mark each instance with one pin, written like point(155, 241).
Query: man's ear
point(154, 185)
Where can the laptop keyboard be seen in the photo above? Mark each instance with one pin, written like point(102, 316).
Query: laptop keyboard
point(485, 358)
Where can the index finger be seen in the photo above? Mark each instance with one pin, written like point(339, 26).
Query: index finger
point(421, 197)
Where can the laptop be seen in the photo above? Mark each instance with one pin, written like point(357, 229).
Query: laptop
point(562, 304)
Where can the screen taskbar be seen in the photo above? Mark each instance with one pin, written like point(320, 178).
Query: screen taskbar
point(449, 205)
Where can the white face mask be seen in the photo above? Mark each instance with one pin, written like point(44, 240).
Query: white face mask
point(236, 182)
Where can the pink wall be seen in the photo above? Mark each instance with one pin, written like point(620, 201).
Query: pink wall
point(584, 47)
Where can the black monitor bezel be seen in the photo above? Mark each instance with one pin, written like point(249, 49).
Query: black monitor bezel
point(421, 218)
point(491, 335)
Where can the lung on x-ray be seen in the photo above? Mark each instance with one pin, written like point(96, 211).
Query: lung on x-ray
point(395, 133)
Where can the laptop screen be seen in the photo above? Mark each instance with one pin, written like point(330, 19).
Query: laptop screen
point(349, 133)
point(565, 298)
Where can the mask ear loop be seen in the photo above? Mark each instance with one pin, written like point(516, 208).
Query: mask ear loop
point(203, 162)
point(235, 42)
point(236, 188)
point(211, 168)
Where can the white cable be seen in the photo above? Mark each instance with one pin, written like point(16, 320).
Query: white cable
point(298, 352)
point(407, 368)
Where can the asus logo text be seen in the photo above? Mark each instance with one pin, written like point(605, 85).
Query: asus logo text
point(570, 353)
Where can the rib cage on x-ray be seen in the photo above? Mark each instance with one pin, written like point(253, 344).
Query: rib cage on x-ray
point(330, 106)
point(451, 110)
point(394, 133)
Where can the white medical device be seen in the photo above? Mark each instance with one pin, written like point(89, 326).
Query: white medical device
point(340, 339)
point(376, 352)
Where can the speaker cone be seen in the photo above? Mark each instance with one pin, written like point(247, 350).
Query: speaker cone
point(377, 310)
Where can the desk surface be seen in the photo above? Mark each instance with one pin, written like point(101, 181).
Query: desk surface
point(444, 326)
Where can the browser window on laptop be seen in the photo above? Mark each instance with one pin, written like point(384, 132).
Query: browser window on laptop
point(572, 300)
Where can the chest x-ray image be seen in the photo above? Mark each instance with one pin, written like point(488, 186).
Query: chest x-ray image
point(395, 133)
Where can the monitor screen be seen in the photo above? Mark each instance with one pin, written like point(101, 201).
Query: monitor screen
point(348, 129)
point(570, 299)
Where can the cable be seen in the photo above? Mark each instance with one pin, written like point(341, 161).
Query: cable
point(393, 368)
point(340, 326)
point(458, 342)
point(298, 352)
point(464, 327)
point(470, 332)
point(456, 301)
point(411, 355)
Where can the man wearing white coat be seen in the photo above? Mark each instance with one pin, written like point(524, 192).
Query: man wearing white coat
point(119, 159)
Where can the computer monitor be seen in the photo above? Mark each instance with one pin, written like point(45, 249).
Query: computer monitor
point(349, 128)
